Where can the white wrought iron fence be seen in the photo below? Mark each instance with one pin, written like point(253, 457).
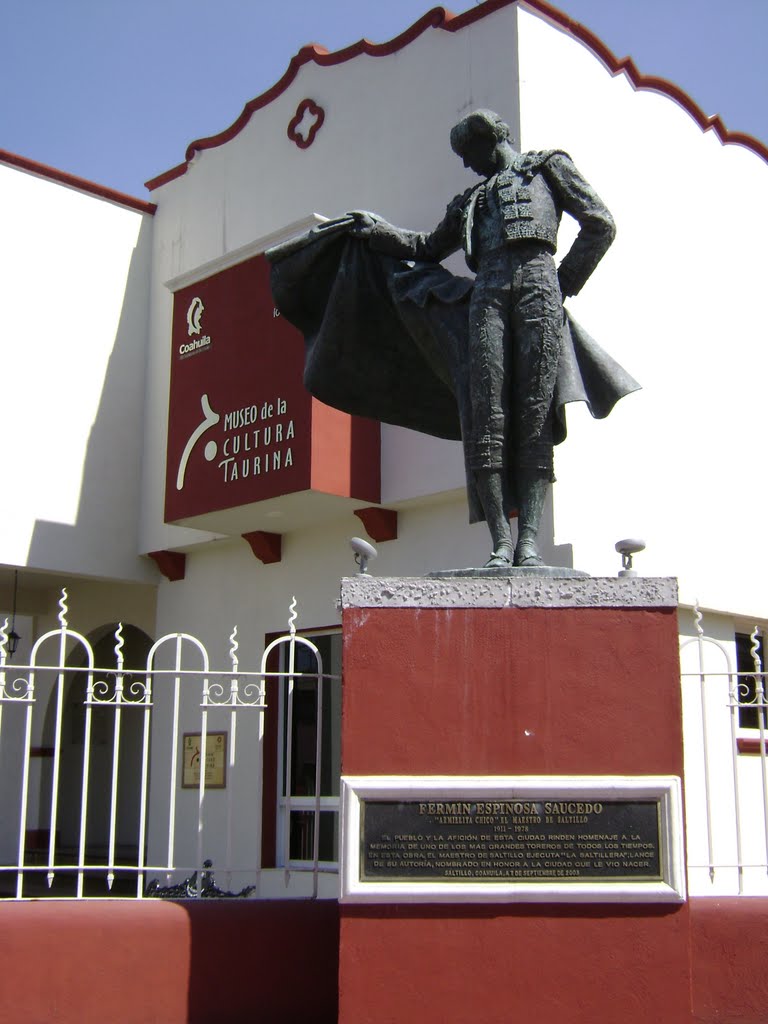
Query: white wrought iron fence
point(726, 764)
point(125, 780)
point(120, 780)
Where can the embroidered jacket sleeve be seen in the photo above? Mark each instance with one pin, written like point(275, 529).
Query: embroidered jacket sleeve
point(426, 247)
point(576, 196)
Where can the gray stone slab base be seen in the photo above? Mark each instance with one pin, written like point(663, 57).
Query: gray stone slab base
point(507, 591)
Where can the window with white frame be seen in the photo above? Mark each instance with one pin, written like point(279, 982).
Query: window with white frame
point(309, 751)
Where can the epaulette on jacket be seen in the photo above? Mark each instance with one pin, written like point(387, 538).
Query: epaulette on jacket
point(531, 163)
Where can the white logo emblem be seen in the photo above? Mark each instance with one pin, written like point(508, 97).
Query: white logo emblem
point(194, 315)
point(210, 419)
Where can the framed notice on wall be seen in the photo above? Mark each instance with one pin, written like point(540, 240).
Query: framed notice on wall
point(215, 760)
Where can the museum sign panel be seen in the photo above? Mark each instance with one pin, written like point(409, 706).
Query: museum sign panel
point(242, 429)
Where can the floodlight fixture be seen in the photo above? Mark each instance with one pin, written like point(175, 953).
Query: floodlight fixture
point(627, 548)
point(364, 552)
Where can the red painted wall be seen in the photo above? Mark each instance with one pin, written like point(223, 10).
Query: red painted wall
point(512, 691)
point(729, 954)
point(157, 962)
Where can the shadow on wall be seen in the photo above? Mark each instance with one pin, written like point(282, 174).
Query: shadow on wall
point(295, 945)
point(104, 538)
point(194, 962)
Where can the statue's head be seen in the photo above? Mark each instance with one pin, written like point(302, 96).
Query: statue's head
point(477, 139)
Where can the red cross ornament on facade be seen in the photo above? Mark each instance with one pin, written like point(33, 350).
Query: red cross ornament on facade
point(306, 123)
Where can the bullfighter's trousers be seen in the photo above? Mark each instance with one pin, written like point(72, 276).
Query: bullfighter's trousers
point(515, 325)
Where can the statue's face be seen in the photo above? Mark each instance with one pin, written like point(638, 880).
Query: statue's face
point(480, 154)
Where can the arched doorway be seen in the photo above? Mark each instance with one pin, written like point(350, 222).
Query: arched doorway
point(106, 732)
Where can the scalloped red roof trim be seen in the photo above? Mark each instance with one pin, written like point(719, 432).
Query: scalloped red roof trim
point(81, 184)
point(439, 17)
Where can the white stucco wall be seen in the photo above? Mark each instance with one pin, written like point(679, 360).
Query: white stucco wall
point(672, 462)
point(384, 146)
point(676, 301)
point(75, 272)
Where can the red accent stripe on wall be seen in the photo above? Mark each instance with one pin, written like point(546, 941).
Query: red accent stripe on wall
point(441, 18)
point(73, 181)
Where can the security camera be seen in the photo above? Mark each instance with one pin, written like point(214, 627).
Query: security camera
point(626, 548)
point(364, 552)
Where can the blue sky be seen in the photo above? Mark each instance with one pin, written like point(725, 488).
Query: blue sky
point(114, 90)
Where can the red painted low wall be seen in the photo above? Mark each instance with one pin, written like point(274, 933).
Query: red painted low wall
point(547, 964)
point(729, 959)
point(169, 963)
point(157, 962)
point(558, 955)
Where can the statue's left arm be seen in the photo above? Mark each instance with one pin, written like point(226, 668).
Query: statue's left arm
point(576, 196)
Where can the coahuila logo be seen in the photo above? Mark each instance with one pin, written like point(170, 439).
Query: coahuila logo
point(258, 439)
point(194, 317)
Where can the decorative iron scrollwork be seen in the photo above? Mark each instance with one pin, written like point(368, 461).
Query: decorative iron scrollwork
point(188, 889)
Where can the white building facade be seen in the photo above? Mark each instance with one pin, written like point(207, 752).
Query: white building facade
point(129, 488)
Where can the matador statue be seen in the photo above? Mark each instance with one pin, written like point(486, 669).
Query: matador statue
point(494, 360)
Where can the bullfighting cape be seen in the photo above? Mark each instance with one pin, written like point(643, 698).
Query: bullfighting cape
point(388, 339)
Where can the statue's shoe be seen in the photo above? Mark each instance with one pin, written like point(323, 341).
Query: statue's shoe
point(500, 559)
point(526, 555)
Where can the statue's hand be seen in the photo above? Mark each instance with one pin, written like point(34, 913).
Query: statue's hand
point(364, 223)
point(566, 286)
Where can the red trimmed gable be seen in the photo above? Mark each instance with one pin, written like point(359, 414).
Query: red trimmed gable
point(439, 17)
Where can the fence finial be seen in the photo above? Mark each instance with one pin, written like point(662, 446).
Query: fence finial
point(63, 608)
point(233, 647)
point(697, 618)
point(293, 616)
point(754, 649)
point(119, 645)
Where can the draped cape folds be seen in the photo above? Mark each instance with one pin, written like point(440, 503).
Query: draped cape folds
point(388, 339)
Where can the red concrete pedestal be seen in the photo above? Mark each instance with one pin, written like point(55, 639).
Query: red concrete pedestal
point(521, 677)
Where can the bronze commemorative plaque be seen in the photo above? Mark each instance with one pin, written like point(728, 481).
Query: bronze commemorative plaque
point(531, 840)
